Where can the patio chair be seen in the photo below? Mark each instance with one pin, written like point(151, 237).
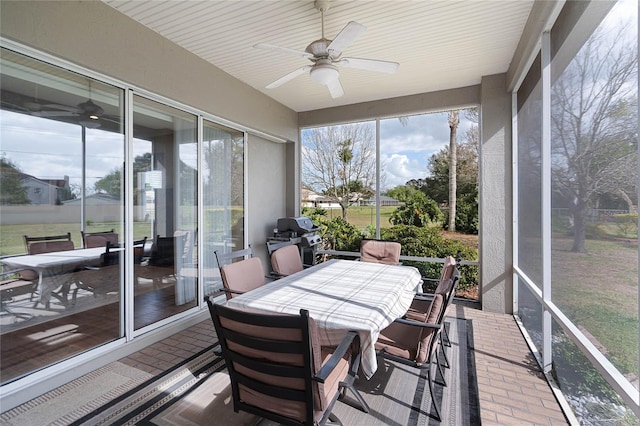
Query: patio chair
point(105, 277)
point(46, 244)
point(285, 260)
point(415, 343)
point(240, 276)
point(277, 368)
point(98, 239)
point(376, 251)
point(447, 283)
point(12, 285)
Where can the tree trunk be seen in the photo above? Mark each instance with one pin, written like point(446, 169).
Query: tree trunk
point(627, 199)
point(579, 227)
point(454, 120)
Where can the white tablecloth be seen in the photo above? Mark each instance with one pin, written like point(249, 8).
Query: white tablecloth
point(341, 295)
point(53, 265)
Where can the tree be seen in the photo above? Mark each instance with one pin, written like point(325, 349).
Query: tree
point(417, 210)
point(339, 162)
point(112, 183)
point(454, 121)
point(12, 191)
point(594, 114)
point(436, 185)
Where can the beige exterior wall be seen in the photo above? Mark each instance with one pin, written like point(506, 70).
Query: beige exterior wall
point(495, 197)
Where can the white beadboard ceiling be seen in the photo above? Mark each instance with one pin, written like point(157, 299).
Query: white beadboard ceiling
point(439, 44)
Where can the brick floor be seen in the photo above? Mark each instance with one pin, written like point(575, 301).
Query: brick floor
point(512, 389)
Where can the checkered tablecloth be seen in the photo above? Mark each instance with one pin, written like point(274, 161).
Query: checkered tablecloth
point(341, 295)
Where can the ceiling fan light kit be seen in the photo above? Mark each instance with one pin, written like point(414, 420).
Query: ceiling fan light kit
point(324, 73)
point(325, 54)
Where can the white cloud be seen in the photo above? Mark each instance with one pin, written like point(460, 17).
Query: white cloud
point(399, 169)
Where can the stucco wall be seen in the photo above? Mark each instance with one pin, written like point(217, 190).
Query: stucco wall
point(267, 192)
point(495, 206)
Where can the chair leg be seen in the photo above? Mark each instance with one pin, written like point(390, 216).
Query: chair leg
point(439, 365)
point(354, 391)
point(334, 419)
point(446, 342)
point(444, 353)
point(433, 397)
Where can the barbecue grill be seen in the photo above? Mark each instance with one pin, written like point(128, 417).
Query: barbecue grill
point(301, 231)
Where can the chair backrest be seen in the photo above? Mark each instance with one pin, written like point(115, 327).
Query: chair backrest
point(243, 276)
point(376, 251)
point(99, 239)
point(162, 251)
point(271, 360)
point(223, 258)
point(449, 268)
point(48, 244)
point(286, 260)
point(112, 257)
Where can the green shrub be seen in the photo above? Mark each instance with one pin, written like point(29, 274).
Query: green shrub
point(417, 212)
point(466, 215)
point(427, 242)
point(338, 234)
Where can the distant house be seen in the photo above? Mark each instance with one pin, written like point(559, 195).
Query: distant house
point(312, 199)
point(384, 201)
point(97, 199)
point(45, 191)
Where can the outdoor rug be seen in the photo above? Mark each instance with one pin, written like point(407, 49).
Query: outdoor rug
point(197, 392)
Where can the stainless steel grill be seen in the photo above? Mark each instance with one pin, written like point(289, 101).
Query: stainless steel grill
point(301, 231)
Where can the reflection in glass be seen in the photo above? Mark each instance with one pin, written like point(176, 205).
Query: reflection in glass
point(594, 158)
point(530, 313)
point(592, 399)
point(61, 176)
point(530, 178)
point(165, 182)
point(223, 180)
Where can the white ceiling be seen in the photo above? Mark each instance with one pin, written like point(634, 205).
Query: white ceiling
point(439, 44)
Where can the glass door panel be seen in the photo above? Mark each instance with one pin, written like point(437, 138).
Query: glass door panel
point(61, 159)
point(165, 210)
point(223, 180)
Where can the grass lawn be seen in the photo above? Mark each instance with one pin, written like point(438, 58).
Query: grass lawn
point(13, 240)
point(598, 291)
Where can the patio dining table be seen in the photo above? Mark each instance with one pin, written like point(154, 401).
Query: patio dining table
point(341, 295)
point(52, 266)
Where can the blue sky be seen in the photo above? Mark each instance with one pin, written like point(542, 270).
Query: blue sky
point(405, 150)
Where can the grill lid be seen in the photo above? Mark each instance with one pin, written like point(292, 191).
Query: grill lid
point(299, 224)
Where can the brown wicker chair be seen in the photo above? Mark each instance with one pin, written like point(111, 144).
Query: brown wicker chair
point(277, 368)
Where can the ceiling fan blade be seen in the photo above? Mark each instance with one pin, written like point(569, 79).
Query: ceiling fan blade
point(345, 37)
point(370, 65)
point(283, 49)
point(290, 76)
point(63, 108)
point(335, 88)
point(53, 113)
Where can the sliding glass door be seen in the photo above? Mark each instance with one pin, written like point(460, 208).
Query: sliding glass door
point(165, 178)
point(61, 178)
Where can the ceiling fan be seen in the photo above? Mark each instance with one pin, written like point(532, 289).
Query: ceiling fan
point(89, 112)
point(325, 55)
